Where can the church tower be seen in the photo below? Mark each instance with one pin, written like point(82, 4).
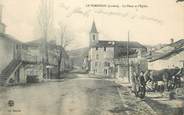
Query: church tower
point(93, 35)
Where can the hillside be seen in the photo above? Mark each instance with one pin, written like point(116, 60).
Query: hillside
point(78, 55)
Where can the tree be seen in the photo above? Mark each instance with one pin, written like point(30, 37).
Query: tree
point(65, 39)
point(45, 18)
point(64, 35)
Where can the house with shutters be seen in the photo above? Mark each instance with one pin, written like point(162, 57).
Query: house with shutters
point(109, 58)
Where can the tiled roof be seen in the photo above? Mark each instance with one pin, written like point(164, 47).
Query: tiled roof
point(131, 44)
point(177, 44)
point(167, 55)
point(34, 42)
point(8, 37)
point(176, 48)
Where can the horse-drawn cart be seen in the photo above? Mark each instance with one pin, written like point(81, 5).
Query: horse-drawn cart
point(171, 78)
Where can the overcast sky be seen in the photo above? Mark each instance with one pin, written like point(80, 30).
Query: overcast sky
point(157, 23)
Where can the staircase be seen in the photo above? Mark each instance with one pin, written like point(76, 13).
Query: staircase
point(9, 70)
point(3, 79)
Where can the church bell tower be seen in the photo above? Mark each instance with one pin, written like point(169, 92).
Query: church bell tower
point(93, 35)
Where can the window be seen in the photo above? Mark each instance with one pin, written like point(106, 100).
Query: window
point(105, 49)
point(94, 37)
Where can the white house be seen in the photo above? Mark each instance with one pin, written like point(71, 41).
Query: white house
point(104, 56)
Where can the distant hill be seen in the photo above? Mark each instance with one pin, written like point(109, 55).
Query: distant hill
point(78, 55)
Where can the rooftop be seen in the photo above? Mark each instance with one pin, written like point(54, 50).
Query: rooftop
point(130, 44)
point(170, 50)
point(9, 37)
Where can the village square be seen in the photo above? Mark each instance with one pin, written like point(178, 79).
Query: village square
point(108, 77)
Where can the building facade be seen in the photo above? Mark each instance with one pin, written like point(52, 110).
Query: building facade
point(109, 58)
point(23, 62)
point(10, 55)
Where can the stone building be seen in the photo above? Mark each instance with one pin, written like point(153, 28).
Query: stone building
point(109, 58)
point(57, 56)
point(23, 62)
point(10, 54)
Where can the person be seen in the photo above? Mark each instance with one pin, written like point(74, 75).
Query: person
point(177, 78)
point(141, 78)
point(134, 77)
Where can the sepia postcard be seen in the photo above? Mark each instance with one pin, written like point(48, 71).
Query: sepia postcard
point(91, 57)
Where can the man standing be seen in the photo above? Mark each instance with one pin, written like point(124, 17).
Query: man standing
point(134, 81)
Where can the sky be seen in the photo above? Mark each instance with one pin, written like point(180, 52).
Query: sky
point(157, 21)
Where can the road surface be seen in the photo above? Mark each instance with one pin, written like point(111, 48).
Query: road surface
point(75, 95)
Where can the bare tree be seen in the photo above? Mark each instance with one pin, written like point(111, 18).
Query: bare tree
point(64, 35)
point(65, 39)
point(45, 18)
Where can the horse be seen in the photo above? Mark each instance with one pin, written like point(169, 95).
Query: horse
point(157, 75)
point(164, 75)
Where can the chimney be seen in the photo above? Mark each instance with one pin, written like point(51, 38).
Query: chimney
point(172, 40)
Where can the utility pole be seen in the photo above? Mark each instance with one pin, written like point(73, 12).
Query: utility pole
point(128, 57)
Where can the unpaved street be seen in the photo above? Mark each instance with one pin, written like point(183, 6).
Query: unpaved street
point(76, 95)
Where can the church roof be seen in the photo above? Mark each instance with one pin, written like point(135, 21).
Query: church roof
point(93, 29)
point(132, 44)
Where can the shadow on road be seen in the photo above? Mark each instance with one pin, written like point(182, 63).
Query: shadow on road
point(162, 109)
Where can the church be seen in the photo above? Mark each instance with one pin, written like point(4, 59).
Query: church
point(109, 58)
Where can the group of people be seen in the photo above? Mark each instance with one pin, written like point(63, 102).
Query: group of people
point(171, 78)
point(137, 80)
